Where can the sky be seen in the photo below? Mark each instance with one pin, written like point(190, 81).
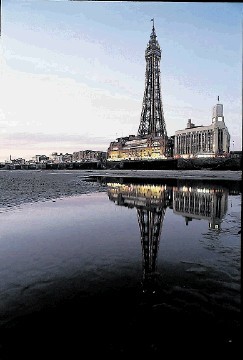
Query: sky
point(72, 73)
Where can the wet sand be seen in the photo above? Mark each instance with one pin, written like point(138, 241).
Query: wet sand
point(26, 186)
point(172, 174)
point(19, 187)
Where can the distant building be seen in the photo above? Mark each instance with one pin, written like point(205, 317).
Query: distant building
point(89, 156)
point(40, 158)
point(204, 141)
point(61, 158)
point(18, 161)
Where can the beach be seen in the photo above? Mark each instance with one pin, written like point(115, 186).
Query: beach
point(21, 186)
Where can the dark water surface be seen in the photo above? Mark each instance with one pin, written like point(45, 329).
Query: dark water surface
point(129, 270)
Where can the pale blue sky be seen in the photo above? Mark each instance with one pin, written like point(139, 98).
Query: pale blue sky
point(72, 72)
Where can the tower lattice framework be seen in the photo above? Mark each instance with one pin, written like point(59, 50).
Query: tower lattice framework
point(152, 120)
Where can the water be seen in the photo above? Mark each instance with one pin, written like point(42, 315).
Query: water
point(127, 270)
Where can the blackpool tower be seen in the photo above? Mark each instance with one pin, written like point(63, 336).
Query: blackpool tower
point(152, 117)
point(151, 141)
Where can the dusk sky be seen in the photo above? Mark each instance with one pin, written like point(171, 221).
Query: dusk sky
point(72, 73)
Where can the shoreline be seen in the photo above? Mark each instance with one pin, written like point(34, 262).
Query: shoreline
point(196, 174)
point(169, 174)
point(218, 163)
point(19, 187)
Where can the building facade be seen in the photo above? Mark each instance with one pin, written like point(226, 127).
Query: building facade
point(203, 141)
point(150, 141)
point(89, 155)
point(137, 148)
point(40, 159)
point(61, 158)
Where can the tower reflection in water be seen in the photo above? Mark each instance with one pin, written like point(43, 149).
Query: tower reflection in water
point(192, 202)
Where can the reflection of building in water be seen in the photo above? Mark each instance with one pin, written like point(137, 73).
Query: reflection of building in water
point(201, 203)
point(151, 202)
point(135, 195)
